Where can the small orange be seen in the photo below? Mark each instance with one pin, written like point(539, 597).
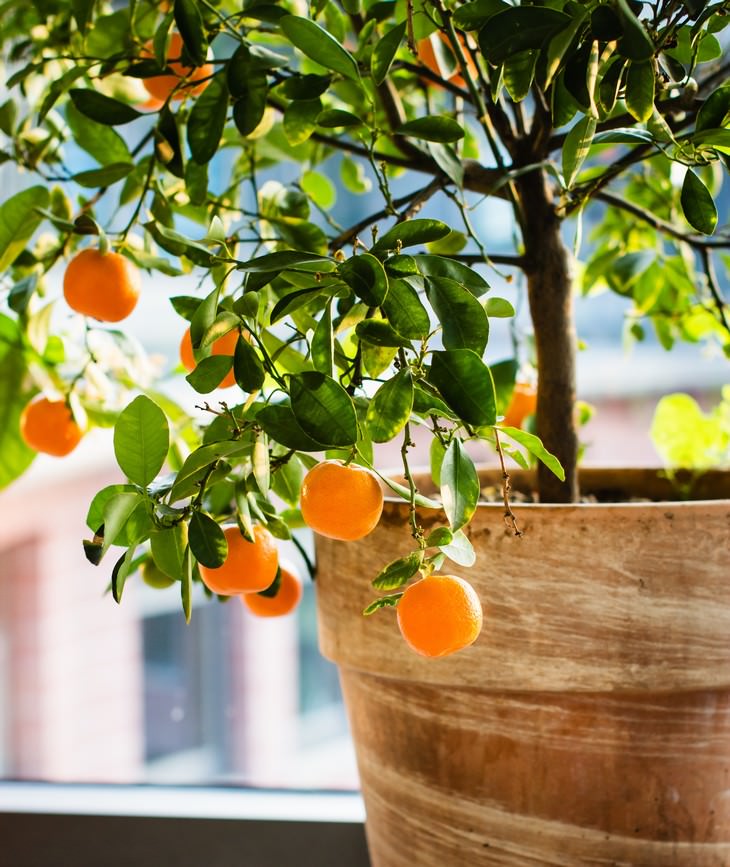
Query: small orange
point(48, 426)
point(161, 86)
point(225, 345)
point(439, 615)
point(249, 567)
point(104, 286)
point(341, 502)
point(522, 404)
point(286, 599)
point(429, 53)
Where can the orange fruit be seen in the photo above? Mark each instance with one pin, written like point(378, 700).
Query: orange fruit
point(439, 615)
point(429, 53)
point(249, 567)
point(104, 286)
point(341, 502)
point(161, 86)
point(48, 426)
point(284, 602)
point(225, 345)
point(522, 404)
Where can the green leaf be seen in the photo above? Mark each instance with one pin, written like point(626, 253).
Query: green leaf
point(575, 148)
point(141, 440)
point(698, 205)
point(405, 312)
point(102, 142)
point(287, 480)
point(439, 536)
point(103, 109)
point(82, 11)
point(499, 308)
point(247, 367)
point(460, 550)
point(168, 549)
point(459, 485)
point(518, 29)
point(300, 120)
point(715, 109)
point(323, 409)
point(465, 383)
point(207, 541)
point(463, 320)
point(16, 455)
point(248, 111)
point(281, 425)
point(95, 515)
point(282, 261)
point(319, 188)
point(197, 463)
point(519, 71)
point(18, 221)
point(189, 22)
point(380, 333)
point(319, 45)
point(534, 445)
point(209, 373)
point(437, 128)
point(441, 266)
point(117, 511)
point(397, 573)
point(640, 90)
point(685, 437)
point(103, 177)
point(390, 408)
point(207, 121)
point(120, 572)
point(405, 493)
point(366, 277)
point(331, 118)
point(636, 43)
point(409, 233)
point(323, 344)
point(384, 602)
point(186, 585)
point(384, 52)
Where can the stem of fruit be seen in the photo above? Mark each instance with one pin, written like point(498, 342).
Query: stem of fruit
point(509, 516)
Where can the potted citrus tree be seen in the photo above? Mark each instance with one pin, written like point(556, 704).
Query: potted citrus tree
point(586, 718)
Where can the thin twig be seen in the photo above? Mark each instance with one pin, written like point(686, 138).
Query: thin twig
point(509, 516)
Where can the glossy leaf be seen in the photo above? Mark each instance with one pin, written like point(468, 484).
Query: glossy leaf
point(399, 572)
point(207, 541)
point(465, 383)
point(460, 550)
point(207, 120)
point(319, 45)
point(441, 266)
point(536, 448)
point(103, 177)
point(518, 29)
point(323, 343)
point(189, 23)
point(168, 549)
point(636, 43)
point(698, 205)
point(575, 148)
point(459, 485)
point(385, 51)
point(197, 464)
point(117, 511)
point(640, 90)
point(248, 111)
point(323, 409)
point(463, 320)
point(19, 218)
point(247, 366)
point(141, 440)
point(436, 128)
point(103, 109)
point(209, 373)
point(410, 233)
point(390, 408)
point(98, 139)
point(281, 425)
point(366, 277)
point(380, 333)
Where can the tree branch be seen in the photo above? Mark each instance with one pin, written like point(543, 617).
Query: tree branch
point(714, 287)
point(695, 241)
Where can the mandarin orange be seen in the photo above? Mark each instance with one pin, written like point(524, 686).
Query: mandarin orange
point(341, 501)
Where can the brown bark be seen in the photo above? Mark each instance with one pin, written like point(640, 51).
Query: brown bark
point(549, 288)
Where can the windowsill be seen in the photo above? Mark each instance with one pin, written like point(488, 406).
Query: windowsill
point(181, 802)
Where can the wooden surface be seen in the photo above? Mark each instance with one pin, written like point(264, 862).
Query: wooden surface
point(590, 722)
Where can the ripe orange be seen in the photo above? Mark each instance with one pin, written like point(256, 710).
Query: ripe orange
point(249, 567)
point(522, 404)
point(225, 345)
point(104, 286)
point(429, 53)
point(341, 502)
point(286, 599)
point(161, 86)
point(439, 615)
point(48, 426)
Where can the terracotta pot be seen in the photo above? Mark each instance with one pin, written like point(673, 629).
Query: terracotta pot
point(590, 722)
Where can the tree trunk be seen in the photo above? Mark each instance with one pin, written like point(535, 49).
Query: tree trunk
point(549, 288)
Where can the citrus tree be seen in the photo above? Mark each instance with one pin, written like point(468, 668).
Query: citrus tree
point(332, 337)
